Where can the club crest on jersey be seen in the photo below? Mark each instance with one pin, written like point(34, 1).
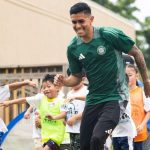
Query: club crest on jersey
point(101, 50)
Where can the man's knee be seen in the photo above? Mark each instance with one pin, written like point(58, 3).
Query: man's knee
point(98, 139)
point(97, 142)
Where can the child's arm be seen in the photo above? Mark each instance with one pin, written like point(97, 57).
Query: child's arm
point(74, 119)
point(146, 118)
point(11, 102)
point(82, 98)
point(62, 115)
point(38, 122)
point(16, 85)
point(28, 112)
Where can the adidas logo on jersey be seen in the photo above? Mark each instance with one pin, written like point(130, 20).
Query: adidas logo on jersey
point(81, 56)
point(108, 131)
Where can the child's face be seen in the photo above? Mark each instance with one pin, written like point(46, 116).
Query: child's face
point(132, 75)
point(49, 89)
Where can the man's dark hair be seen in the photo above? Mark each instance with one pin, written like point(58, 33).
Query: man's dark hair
point(80, 7)
point(48, 77)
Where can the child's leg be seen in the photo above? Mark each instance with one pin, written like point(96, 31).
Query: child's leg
point(108, 144)
point(75, 141)
point(123, 143)
point(47, 148)
point(65, 147)
point(146, 144)
point(116, 145)
point(138, 145)
point(38, 143)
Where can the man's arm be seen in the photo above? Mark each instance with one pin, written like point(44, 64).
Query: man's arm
point(16, 85)
point(140, 61)
point(70, 81)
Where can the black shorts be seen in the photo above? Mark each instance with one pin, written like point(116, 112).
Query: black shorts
point(52, 145)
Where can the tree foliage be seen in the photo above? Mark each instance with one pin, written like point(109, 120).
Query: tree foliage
point(126, 8)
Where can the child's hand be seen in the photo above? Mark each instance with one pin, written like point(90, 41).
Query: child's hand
point(27, 115)
point(50, 117)
point(38, 122)
point(139, 128)
point(5, 104)
point(68, 100)
point(71, 121)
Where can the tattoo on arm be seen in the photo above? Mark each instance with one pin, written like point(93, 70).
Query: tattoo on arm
point(140, 61)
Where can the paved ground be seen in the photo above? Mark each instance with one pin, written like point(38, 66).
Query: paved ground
point(20, 137)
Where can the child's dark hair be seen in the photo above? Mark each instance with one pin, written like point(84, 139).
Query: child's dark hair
point(132, 66)
point(80, 7)
point(48, 77)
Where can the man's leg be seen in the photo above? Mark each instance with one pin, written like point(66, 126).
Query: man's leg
point(89, 119)
point(107, 121)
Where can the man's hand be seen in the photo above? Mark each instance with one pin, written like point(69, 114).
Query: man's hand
point(147, 88)
point(59, 79)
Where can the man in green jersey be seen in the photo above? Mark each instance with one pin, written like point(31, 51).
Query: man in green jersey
point(98, 50)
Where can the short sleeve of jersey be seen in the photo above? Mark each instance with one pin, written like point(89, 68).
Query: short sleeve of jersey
point(35, 101)
point(4, 93)
point(74, 64)
point(117, 38)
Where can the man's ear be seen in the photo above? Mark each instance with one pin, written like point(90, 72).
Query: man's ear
point(92, 18)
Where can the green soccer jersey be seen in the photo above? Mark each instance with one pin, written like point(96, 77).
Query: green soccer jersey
point(102, 61)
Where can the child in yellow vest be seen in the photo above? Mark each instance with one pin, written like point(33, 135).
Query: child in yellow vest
point(140, 107)
point(52, 130)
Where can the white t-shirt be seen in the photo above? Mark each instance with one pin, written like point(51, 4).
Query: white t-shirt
point(35, 101)
point(126, 126)
point(4, 93)
point(146, 102)
point(75, 107)
point(3, 127)
point(36, 131)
